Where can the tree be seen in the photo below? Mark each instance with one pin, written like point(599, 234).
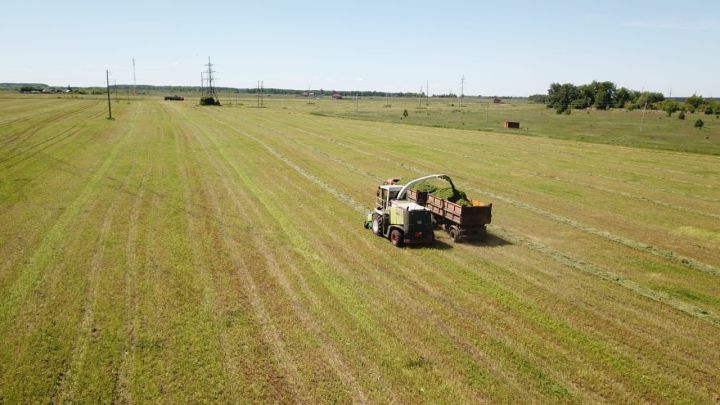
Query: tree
point(695, 101)
point(538, 98)
point(649, 98)
point(669, 106)
point(681, 115)
point(604, 93)
point(699, 123)
point(561, 95)
point(622, 96)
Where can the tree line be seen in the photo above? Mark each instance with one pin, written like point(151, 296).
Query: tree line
point(604, 95)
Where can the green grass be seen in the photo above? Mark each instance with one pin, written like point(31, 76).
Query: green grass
point(615, 127)
point(189, 254)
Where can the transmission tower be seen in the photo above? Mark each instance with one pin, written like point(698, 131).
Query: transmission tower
point(209, 96)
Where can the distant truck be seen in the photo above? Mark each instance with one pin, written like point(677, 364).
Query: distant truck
point(174, 98)
point(406, 216)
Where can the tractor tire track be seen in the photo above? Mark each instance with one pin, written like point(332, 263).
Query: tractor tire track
point(330, 352)
point(209, 292)
point(69, 382)
point(38, 127)
point(590, 268)
point(270, 333)
point(123, 384)
point(44, 253)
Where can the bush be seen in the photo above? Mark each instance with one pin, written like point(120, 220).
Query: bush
point(681, 115)
point(699, 123)
point(405, 113)
point(209, 101)
point(709, 110)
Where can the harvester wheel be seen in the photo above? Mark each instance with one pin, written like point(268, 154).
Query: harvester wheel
point(376, 225)
point(455, 234)
point(396, 238)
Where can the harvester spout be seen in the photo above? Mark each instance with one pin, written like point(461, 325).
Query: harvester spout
point(406, 187)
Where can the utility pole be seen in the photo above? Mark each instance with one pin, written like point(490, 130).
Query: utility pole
point(642, 119)
point(107, 82)
point(427, 93)
point(420, 97)
point(357, 102)
point(257, 94)
point(134, 79)
point(262, 94)
point(462, 88)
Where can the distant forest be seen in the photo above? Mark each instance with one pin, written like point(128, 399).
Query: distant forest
point(605, 95)
point(143, 89)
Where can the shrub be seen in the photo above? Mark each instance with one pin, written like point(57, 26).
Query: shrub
point(709, 110)
point(699, 123)
point(209, 101)
point(681, 115)
point(405, 113)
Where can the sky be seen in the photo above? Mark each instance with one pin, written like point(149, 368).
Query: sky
point(512, 48)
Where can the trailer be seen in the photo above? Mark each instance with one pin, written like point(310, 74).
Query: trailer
point(460, 221)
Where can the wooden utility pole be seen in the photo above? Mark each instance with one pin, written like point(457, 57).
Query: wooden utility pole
point(107, 81)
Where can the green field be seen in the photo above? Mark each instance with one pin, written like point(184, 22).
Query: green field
point(652, 129)
point(183, 254)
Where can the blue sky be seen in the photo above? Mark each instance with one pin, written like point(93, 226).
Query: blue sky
point(502, 48)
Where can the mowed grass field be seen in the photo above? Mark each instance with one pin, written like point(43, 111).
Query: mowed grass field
point(188, 254)
point(649, 129)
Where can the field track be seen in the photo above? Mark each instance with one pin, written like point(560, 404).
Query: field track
point(187, 254)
